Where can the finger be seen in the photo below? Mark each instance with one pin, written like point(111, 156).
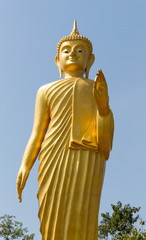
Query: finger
point(100, 72)
point(100, 75)
point(20, 185)
point(96, 81)
point(98, 78)
point(101, 86)
point(24, 179)
point(19, 193)
point(95, 84)
point(19, 182)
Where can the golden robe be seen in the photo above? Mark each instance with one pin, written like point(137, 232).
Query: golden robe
point(72, 161)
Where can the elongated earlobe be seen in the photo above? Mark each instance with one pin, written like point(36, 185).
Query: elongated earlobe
point(91, 59)
point(60, 73)
point(58, 65)
point(87, 72)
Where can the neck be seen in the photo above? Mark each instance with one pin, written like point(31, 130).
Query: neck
point(73, 74)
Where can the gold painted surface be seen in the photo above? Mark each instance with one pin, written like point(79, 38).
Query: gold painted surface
point(73, 131)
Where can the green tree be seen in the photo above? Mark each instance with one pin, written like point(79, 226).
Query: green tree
point(120, 225)
point(11, 229)
point(136, 234)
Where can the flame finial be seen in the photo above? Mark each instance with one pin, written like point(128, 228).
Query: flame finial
point(74, 30)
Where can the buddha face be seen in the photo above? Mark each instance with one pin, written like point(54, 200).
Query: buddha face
point(73, 56)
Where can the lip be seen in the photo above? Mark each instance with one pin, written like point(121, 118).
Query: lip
point(72, 59)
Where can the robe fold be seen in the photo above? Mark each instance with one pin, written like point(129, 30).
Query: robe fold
point(72, 161)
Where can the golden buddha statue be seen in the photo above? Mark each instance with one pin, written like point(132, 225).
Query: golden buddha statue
point(73, 131)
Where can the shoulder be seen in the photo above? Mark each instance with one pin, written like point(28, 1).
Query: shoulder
point(42, 90)
point(89, 81)
point(48, 85)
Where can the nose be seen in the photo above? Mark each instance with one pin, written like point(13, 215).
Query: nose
point(72, 53)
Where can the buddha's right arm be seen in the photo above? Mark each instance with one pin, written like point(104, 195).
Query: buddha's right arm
point(41, 121)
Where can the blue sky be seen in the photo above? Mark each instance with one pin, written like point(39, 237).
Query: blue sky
point(29, 33)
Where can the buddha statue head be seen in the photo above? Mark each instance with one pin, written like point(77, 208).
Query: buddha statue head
point(74, 54)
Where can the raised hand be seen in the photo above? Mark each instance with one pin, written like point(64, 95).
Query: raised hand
point(100, 92)
point(21, 181)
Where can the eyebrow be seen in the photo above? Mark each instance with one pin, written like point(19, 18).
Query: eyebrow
point(81, 45)
point(76, 46)
point(66, 46)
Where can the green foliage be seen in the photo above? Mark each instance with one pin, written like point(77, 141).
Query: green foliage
point(120, 225)
point(11, 229)
point(136, 234)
